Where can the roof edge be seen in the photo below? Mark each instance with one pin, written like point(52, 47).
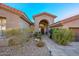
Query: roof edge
point(44, 13)
point(69, 19)
point(15, 11)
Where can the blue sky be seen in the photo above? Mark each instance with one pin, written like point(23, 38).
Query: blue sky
point(61, 10)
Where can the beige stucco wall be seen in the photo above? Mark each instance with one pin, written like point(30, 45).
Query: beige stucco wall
point(74, 23)
point(42, 17)
point(13, 20)
point(23, 24)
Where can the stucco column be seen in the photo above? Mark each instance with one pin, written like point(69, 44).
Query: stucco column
point(36, 25)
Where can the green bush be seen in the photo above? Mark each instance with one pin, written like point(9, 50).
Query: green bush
point(63, 36)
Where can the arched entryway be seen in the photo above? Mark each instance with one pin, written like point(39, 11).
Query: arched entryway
point(43, 25)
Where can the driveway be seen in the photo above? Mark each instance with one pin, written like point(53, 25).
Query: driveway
point(58, 50)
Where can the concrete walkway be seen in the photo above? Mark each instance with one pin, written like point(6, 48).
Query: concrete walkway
point(58, 50)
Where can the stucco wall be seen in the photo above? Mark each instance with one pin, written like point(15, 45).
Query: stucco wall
point(13, 20)
point(43, 17)
point(23, 24)
point(74, 23)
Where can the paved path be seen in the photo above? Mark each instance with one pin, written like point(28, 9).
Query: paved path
point(58, 50)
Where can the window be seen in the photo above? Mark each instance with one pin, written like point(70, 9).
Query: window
point(2, 25)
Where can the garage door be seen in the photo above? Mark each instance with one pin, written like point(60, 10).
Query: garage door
point(76, 31)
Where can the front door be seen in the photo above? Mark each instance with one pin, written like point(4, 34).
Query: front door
point(42, 30)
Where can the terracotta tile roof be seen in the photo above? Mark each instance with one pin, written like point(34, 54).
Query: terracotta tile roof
point(45, 13)
point(67, 20)
point(13, 10)
point(70, 19)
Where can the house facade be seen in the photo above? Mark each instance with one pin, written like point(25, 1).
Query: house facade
point(43, 20)
point(46, 20)
point(11, 18)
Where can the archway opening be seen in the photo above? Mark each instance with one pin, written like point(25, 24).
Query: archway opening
point(43, 25)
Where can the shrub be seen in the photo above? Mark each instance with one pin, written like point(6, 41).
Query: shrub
point(37, 35)
point(13, 42)
point(18, 36)
point(63, 36)
point(12, 32)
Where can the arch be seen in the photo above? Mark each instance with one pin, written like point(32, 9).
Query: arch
point(43, 24)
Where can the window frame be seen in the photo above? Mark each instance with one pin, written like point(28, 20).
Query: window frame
point(2, 25)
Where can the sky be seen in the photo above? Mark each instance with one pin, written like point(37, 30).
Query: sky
point(61, 10)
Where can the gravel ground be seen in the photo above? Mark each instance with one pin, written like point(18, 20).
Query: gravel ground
point(29, 49)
